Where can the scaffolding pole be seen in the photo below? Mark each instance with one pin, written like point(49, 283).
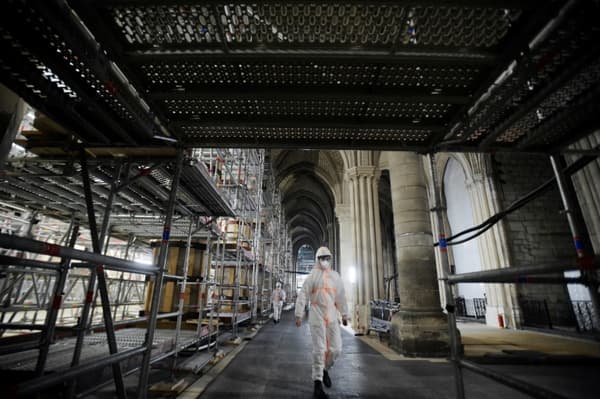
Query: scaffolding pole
point(130, 241)
point(101, 277)
point(104, 236)
point(450, 305)
point(219, 267)
point(13, 261)
point(579, 232)
point(50, 323)
point(520, 274)
point(83, 324)
point(162, 261)
point(257, 234)
point(110, 262)
point(586, 262)
point(182, 286)
point(203, 289)
point(239, 254)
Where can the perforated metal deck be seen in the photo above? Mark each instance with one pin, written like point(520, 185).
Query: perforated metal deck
point(424, 76)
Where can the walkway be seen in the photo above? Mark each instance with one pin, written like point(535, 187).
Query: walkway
point(276, 364)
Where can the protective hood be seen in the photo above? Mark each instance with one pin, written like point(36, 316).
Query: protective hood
point(323, 251)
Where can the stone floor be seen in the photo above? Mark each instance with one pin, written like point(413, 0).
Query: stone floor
point(276, 364)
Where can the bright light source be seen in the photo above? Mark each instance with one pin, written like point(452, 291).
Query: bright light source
point(165, 138)
point(145, 260)
point(352, 274)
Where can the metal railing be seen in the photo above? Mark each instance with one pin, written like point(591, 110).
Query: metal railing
point(578, 315)
point(587, 320)
point(470, 307)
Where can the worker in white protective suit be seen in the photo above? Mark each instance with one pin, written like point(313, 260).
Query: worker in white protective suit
point(324, 291)
point(277, 301)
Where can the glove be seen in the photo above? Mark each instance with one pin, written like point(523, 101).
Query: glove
point(345, 321)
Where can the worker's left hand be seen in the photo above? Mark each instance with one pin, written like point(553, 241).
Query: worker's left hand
point(345, 320)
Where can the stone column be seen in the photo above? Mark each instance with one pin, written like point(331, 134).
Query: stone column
point(330, 242)
point(501, 298)
point(367, 241)
point(420, 328)
point(345, 255)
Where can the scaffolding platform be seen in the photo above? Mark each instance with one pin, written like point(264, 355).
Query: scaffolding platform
point(96, 345)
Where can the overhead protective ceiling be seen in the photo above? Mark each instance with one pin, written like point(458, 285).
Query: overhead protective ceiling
point(406, 75)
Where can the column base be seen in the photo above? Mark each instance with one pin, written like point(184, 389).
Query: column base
point(420, 333)
point(360, 321)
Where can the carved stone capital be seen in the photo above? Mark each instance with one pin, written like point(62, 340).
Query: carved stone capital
point(363, 171)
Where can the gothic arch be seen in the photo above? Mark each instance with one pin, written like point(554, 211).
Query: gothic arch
point(310, 183)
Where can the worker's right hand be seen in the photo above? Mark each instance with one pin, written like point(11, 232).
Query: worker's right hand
point(298, 321)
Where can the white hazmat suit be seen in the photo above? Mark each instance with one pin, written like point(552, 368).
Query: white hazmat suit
point(277, 300)
point(324, 291)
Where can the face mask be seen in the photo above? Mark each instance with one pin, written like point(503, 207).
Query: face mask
point(324, 263)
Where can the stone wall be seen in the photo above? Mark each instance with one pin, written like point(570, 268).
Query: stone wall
point(538, 232)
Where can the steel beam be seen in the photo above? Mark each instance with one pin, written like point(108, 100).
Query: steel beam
point(413, 3)
point(318, 93)
point(442, 55)
point(294, 124)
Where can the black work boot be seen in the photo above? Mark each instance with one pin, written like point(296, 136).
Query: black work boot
point(326, 379)
point(319, 393)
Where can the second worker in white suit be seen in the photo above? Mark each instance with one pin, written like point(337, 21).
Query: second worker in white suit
point(277, 300)
point(324, 290)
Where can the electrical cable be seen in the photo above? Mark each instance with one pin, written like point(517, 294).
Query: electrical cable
point(491, 221)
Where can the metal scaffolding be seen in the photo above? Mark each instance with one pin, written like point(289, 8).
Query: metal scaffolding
point(134, 86)
point(274, 258)
point(50, 290)
point(239, 173)
point(584, 262)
